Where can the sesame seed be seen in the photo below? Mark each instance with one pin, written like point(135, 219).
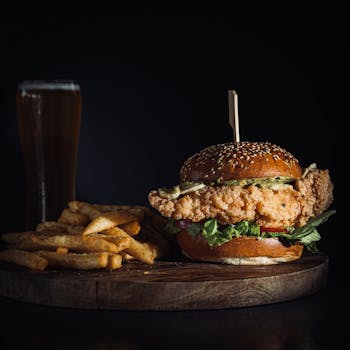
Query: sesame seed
point(232, 153)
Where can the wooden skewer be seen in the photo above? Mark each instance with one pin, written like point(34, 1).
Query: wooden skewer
point(233, 113)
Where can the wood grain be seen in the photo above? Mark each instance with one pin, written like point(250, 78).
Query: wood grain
point(167, 285)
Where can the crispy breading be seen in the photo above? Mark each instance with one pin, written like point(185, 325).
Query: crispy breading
point(317, 191)
point(286, 206)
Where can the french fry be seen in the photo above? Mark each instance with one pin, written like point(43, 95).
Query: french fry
point(61, 250)
point(53, 228)
point(75, 230)
point(158, 250)
point(85, 261)
point(15, 237)
point(138, 210)
point(23, 258)
point(114, 261)
point(156, 239)
point(84, 208)
point(91, 236)
point(73, 218)
point(74, 243)
point(117, 240)
point(126, 256)
point(108, 220)
point(138, 250)
point(132, 227)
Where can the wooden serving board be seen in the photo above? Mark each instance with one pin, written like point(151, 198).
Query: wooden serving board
point(167, 285)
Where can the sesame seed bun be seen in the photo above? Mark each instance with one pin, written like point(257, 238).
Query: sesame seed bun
point(239, 251)
point(243, 160)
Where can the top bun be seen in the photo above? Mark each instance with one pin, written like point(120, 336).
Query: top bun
point(243, 160)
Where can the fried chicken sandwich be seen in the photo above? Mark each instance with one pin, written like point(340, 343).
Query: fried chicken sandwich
point(246, 203)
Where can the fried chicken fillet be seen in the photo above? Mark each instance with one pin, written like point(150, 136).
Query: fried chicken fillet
point(279, 206)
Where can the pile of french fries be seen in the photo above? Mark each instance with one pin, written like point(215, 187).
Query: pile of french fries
point(88, 237)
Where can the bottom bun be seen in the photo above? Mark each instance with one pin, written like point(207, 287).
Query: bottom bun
point(239, 251)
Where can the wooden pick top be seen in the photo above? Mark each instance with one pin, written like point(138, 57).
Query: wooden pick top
point(233, 114)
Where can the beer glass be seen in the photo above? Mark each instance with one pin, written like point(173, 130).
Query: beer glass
point(49, 114)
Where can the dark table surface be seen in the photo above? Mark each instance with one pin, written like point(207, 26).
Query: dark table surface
point(312, 322)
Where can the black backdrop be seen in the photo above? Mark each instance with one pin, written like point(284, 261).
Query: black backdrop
point(154, 86)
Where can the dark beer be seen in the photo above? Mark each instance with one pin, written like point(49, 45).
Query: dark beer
point(49, 116)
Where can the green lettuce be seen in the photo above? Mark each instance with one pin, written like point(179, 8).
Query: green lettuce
point(216, 235)
point(308, 234)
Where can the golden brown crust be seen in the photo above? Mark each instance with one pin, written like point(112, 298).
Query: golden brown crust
point(316, 189)
point(242, 160)
point(269, 207)
point(197, 248)
point(232, 204)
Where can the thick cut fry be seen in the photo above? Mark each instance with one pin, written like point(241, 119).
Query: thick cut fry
point(138, 210)
point(158, 243)
point(53, 228)
point(126, 256)
point(158, 250)
point(75, 230)
point(138, 250)
point(23, 258)
point(87, 231)
point(85, 261)
point(117, 240)
point(132, 227)
point(109, 220)
point(61, 250)
point(84, 208)
point(73, 218)
point(15, 237)
point(74, 243)
point(114, 261)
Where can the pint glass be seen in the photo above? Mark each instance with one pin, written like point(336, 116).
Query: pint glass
point(49, 114)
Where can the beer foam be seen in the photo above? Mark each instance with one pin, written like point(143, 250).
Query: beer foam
point(48, 85)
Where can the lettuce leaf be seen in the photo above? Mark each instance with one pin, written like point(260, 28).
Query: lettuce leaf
point(216, 235)
point(213, 235)
point(308, 234)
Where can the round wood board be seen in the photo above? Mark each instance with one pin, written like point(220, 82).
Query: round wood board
point(167, 285)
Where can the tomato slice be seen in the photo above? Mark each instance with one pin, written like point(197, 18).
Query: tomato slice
point(272, 229)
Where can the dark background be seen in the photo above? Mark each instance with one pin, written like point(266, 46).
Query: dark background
point(154, 86)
